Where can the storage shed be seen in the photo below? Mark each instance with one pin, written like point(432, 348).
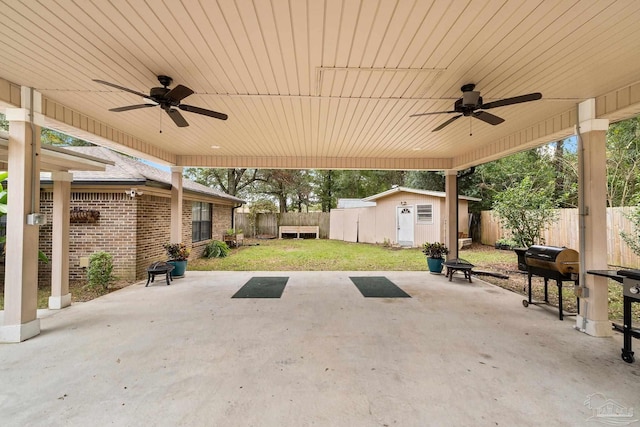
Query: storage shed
point(403, 216)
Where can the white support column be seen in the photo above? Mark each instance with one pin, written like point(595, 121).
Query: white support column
point(451, 212)
point(21, 274)
point(60, 296)
point(593, 318)
point(176, 204)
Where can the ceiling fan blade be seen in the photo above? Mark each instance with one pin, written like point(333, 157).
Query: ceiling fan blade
point(510, 101)
point(435, 112)
point(131, 107)
point(135, 92)
point(205, 112)
point(488, 117)
point(178, 93)
point(177, 117)
point(448, 122)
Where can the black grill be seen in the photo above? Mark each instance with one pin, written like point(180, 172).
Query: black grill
point(630, 280)
point(550, 262)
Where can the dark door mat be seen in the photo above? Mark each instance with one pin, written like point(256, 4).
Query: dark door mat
point(262, 287)
point(378, 287)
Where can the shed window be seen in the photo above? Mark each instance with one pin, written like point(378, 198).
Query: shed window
point(201, 221)
point(425, 214)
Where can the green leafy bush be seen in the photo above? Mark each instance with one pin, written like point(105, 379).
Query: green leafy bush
point(633, 239)
point(526, 210)
point(435, 250)
point(216, 249)
point(177, 251)
point(99, 271)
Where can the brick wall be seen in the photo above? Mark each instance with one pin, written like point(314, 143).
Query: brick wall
point(132, 230)
point(114, 232)
point(154, 224)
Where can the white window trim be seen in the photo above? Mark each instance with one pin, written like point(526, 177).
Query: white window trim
point(422, 221)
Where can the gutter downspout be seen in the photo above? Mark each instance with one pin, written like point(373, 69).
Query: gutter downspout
point(233, 215)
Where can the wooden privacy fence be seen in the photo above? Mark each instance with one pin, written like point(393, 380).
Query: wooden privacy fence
point(565, 233)
point(268, 223)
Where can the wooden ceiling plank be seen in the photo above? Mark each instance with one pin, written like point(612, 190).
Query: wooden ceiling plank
point(229, 27)
point(377, 34)
point(332, 15)
point(287, 45)
point(298, 15)
point(266, 44)
point(349, 16)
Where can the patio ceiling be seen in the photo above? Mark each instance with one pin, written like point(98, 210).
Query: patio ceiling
point(322, 84)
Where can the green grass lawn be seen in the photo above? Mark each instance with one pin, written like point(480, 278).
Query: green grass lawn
point(314, 255)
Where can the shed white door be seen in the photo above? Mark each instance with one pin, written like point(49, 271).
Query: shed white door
point(404, 219)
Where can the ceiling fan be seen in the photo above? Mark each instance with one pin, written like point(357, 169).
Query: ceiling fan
point(472, 101)
point(167, 99)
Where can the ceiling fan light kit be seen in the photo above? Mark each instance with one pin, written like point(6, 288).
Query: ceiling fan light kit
point(471, 102)
point(168, 99)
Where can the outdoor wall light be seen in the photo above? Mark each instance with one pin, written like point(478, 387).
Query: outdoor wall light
point(134, 192)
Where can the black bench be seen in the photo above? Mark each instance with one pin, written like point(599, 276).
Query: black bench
point(458, 264)
point(159, 267)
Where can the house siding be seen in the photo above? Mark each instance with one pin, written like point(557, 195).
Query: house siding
point(387, 223)
point(379, 224)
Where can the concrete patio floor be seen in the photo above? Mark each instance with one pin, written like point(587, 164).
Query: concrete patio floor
point(455, 354)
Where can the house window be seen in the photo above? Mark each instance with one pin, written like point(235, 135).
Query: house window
point(200, 221)
point(425, 214)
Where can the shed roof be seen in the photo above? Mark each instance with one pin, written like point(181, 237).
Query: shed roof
point(127, 170)
point(395, 190)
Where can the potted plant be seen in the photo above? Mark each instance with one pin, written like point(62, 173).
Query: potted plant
point(178, 254)
point(435, 253)
point(233, 236)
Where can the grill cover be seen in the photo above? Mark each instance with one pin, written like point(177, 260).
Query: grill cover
point(563, 260)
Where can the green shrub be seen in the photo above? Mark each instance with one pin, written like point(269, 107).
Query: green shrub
point(216, 249)
point(99, 271)
point(633, 239)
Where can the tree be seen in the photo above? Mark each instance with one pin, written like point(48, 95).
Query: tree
point(323, 185)
point(50, 136)
point(425, 180)
point(526, 210)
point(280, 184)
point(623, 162)
point(364, 183)
point(235, 182)
point(633, 239)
